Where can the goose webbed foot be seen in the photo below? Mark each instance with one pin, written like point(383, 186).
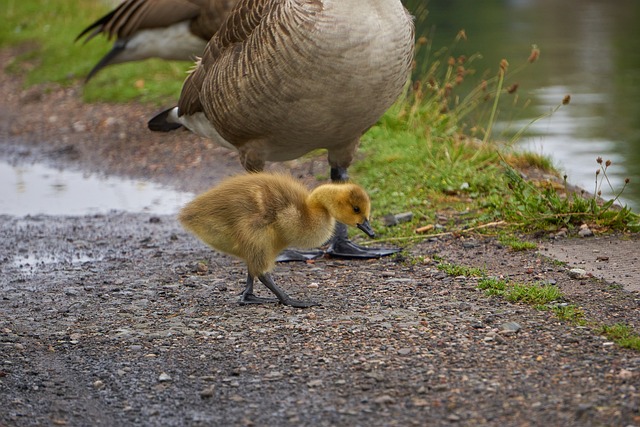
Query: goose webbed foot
point(345, 248)
point(341, 246)
point(282, 295)
point(298, 255)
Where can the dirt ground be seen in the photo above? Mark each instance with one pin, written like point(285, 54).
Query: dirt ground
point(125, 319)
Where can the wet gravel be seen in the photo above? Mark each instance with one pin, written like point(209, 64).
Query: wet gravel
point(129, 320)
point(125, 319)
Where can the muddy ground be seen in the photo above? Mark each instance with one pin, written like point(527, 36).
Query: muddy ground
point(125, 319)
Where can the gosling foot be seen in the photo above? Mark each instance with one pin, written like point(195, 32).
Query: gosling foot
point(298, 304)
point(249, 298)
point(282, 295)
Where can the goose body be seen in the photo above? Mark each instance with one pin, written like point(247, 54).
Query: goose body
point(255, 216)
point(168, 29)
point(285, 77)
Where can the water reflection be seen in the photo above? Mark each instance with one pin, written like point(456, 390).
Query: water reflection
point(38, 189)
point(590, 50)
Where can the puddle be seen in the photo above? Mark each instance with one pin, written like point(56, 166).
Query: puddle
point(28, 263)
point(33, 189)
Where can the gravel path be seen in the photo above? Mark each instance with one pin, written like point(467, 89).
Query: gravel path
point(124, 319)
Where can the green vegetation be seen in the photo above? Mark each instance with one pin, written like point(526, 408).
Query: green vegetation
point(433, 153)
point(45, 32)
point(622, 334)
point(537, 295)
point(516, 244)
point(570, 313)
point(459, 270)
point(541, 296)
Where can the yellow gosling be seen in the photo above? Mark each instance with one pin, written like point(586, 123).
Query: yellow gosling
point(256, 216)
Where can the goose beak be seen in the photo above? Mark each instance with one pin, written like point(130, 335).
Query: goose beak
point(366, 227)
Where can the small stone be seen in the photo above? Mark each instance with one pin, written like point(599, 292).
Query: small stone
point(71, 291)
point(98, 384)
point(404, 351)
point(585, 232)
point(625, 374)
point(314, 383)
point(510, 328)
point(313, 285)
point(391, 219)
point(207, 392)
point(164, 377)
point(577, 273)
point(384, 399)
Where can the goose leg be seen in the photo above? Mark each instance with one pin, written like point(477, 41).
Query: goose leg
point(247, 296)
point(340, 245)
point(282, 295)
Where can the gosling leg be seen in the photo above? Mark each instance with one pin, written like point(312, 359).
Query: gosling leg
point(247, 296)
point(282, 295)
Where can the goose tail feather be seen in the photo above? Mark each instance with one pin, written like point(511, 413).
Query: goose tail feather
point(164, 121)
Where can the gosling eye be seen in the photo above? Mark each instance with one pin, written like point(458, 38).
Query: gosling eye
point(356, 209)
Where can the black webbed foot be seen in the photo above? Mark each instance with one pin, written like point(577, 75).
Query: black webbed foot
point(282, 295)
point(297, 255)
point(345, 248)
point(249, 298)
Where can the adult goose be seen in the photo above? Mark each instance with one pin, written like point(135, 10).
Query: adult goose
point(284, 77)
point(168, 29)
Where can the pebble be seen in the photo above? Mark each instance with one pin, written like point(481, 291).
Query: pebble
point(207, 392)
point(625, 374)
point(577, 273)
point(384, 399)
point(585, 231)
point(164, 377)
point(510, 328)
point(391, 219)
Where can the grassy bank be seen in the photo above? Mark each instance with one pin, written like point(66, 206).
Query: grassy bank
point(431, 154)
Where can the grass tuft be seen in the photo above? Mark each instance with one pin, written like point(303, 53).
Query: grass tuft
point(459, 270)
point(622, 334)
point(515, 243)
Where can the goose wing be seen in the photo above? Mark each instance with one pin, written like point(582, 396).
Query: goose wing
point(237, 27)
point(134, 15)
point(212, 15)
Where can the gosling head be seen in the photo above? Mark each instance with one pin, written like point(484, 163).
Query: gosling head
point(354, 208)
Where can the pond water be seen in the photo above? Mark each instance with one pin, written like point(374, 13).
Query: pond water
point(33, 189)
point(590, 49)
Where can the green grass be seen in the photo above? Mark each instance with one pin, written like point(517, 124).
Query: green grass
point(570, 313)
point(459, 270)
point(536, 295)
point(45, 31)
point(622, 334)
point(516, 244)
point(432, 153)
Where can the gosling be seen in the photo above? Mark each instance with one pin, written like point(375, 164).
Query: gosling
point(256, 216)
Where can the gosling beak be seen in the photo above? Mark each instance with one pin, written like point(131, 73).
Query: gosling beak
point(366, 227)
